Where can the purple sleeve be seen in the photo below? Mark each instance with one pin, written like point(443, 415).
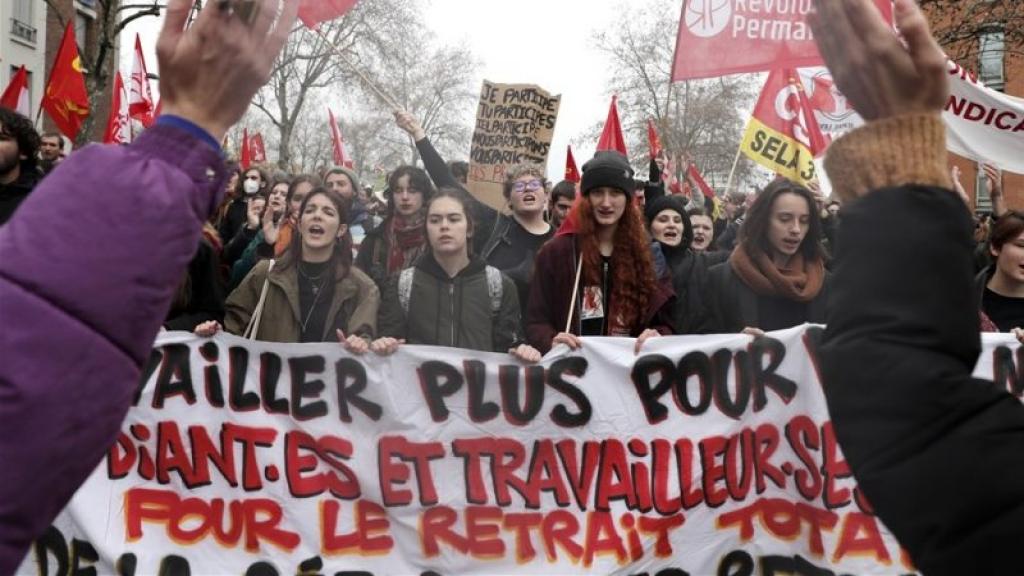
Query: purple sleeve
point(88, 268)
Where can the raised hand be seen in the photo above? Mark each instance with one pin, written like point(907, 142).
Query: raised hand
point(210, 72)
point(876, 73)
point(409, 124)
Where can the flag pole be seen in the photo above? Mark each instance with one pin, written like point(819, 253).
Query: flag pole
point(366, 80)
point(732, 172)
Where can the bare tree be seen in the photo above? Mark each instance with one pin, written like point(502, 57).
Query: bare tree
point(958, 25)
point(702, 118)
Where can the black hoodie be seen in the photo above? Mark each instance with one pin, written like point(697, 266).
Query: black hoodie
point(457, 312)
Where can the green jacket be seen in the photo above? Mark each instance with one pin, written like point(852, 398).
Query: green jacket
point(460, 312)
point(353, 306)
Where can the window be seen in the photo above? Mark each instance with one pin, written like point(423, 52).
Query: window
point(81, 30)
point(23, 10)
point(990, 58)
point(21, 22)
point(982, 200)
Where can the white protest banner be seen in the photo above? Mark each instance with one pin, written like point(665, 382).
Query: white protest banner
point(704, 455)
point(983, 124)
point(514, 125)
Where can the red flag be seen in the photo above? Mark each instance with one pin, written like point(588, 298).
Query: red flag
point(722, 37)
point(313, 12)
point(783, 134)
point(652, 140)
point(256, 151)
point(118, 121)
point(66, 100)
point(340, 158)
point(695, 175)
point(15, 96)
point(140, 102)
point(572, 173)
point(611, 136)
point(244, 156)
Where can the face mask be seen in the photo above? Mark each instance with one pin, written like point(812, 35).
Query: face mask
point(251, 186)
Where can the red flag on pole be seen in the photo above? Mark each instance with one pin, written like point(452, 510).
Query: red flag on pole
point(783, 134)
point(313, 12)
point(611, 136)
point(698, 179)
point(722, 37)
point(118, 121)
point(572, 173)
point(340, 158)
point(244, 155)
point(66, 100)
point(652, 140)
point(15, 96)
point(257, 153)
point(140, 102)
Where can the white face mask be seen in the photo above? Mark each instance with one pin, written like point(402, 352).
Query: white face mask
point(251, 186)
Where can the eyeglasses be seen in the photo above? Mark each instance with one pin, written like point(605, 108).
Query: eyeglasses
point(532, 186)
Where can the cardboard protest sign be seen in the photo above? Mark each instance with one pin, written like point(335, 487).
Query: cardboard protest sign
point(703, 455)
point(514, 125)
point(721, 37)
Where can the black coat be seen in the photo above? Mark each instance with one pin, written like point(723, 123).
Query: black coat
point(733, 306)
point(936, 452)
point(11, 195)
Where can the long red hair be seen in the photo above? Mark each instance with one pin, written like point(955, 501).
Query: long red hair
point(632, 269)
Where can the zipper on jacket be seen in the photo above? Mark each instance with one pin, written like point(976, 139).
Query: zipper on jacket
point(605, 296)
point(451, 303)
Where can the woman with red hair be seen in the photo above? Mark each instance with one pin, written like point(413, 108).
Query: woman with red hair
point(596, 277)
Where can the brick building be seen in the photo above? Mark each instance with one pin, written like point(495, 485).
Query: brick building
point(982, 36)
point(86, 16)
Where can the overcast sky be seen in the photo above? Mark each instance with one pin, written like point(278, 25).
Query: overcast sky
point(543, 42)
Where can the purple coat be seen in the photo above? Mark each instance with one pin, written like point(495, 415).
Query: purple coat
point(88, 267)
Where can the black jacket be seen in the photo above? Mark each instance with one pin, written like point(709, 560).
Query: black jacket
point(936, 452)
point(205, 295)
point(733, 306)
point(457, 312)
point(12, 194)
point(233, 220)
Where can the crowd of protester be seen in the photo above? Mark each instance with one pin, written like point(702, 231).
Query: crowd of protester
point(312, 257)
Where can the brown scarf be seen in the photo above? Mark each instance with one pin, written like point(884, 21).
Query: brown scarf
point(800, 281)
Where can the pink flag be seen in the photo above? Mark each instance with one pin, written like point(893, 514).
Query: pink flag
point(118, 122)
point(15, 96)
point(140, 100)
point(722, 37)
point(313, 12)
point(340, 158)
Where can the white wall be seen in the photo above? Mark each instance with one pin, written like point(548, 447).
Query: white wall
point(16, 51)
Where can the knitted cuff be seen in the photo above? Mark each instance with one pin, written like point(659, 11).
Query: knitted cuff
point(909, 149)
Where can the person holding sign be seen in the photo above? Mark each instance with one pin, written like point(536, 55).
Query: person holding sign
point(597, 277)
point(514, 238)
point(314, 277)
point(936, 451)
point(86, 283)
point(450, 298)
point(776, 277)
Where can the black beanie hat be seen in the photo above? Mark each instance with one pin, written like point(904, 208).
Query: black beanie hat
point(608, 168)
point(671, 202)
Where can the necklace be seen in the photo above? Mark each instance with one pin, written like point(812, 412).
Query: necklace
point(316, 284)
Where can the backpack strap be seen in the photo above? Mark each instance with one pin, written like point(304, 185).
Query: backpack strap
point(405, 278)
point(495, 286)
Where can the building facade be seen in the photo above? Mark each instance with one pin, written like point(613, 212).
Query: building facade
point(23, 43)
point(983, 36)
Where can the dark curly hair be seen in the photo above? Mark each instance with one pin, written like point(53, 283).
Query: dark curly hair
point(754, 232)
point(21, 129)
point(418, 180)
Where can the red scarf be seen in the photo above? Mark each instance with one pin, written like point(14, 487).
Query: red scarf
point(407, 239)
